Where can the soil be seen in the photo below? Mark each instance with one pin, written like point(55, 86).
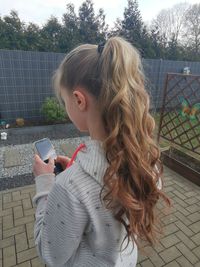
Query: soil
point(184, 158)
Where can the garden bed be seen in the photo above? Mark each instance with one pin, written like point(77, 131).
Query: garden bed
point(29, 123)
point(183, 164)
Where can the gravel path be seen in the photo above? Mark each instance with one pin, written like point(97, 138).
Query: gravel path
point(26, 154)
point(12, 177)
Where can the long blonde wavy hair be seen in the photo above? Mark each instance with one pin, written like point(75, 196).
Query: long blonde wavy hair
point(115, 77)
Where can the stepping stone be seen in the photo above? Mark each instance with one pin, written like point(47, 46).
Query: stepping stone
point(12, 158)
point(69, 149)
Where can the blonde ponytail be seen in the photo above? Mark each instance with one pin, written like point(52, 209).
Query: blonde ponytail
point(114, 76)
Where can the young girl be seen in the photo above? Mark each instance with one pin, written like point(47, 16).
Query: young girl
point(108, 194)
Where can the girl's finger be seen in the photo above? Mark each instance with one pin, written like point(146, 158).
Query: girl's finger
point(37, 158)
point(62, 159)
point(51, 161)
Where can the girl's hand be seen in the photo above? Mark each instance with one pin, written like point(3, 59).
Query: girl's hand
point(63, 160)
point(40, 167)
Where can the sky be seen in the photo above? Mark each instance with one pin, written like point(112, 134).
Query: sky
point(38, 11)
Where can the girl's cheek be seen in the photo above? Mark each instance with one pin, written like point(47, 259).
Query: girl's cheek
point(68, 113)
point(67, 110)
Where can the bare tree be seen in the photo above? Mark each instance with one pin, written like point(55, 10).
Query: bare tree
point(170, 22)
point(192, 25)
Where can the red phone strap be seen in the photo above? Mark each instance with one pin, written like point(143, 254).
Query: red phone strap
point(74, 155)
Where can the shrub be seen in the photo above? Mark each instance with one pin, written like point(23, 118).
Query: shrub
point(52, 110)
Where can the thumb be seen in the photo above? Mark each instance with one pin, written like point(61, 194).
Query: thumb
point(37, 157)
point(51, 161)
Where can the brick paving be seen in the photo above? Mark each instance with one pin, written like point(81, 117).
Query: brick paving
point(180, 245)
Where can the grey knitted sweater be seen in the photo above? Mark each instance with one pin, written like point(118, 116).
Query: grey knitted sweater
point(72, 227)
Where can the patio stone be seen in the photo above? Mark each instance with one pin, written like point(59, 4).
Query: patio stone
point(21, 242)
point(186, 251)
point(26, 255)
point(170, 254)
point(24, 264)
point(169, 241)
point(184, 262)
point(12, 158)
point(196, 239)
point(179, 245)
point(9, 256)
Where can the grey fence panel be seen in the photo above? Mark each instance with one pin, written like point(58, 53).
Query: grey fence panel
point(152, 70)
point(157, 70)
point(174, 67)
point(25, 81)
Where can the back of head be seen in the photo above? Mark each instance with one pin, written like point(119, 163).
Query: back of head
point(114, 76)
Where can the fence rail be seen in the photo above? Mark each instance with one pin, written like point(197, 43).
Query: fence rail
point(25, 80)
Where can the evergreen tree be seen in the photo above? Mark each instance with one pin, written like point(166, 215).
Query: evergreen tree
point(32, 37)
point(146, 46)
point(70, 32)
point(157, 43)
point(132, 24)
point(172, 50)
point(87, 27)
point(50, 35)
point(90, 25)
point(12, 32)
point(4, 41)
point(102, 26)
point(133, 29)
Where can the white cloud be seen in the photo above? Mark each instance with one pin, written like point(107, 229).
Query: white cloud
point(39, 11)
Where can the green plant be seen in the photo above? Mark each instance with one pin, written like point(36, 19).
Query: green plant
point(52, 110)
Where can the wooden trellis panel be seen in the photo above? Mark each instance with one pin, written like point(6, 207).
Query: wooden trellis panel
point(180, 113)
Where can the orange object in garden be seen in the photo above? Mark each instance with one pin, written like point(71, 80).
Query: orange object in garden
point(20, 122)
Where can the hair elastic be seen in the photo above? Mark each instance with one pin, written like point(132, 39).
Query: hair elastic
point(101, 47)
point(74, 155)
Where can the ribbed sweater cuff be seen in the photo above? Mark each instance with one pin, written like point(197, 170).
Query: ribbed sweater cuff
point(44, 183)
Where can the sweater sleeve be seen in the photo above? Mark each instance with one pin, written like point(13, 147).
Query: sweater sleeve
point(60, 223)
point(44, 183)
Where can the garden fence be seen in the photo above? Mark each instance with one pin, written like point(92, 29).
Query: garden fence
point(25, 81)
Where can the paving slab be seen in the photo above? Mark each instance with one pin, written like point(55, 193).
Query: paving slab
point(16, 161)
point(179, 246)
point(12, 157)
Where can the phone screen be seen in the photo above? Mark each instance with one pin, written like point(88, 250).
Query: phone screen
point(45, 149)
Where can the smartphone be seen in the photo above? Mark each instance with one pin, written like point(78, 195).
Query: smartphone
point(44, 148)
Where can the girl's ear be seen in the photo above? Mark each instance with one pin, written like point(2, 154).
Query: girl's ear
point(80, 99)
